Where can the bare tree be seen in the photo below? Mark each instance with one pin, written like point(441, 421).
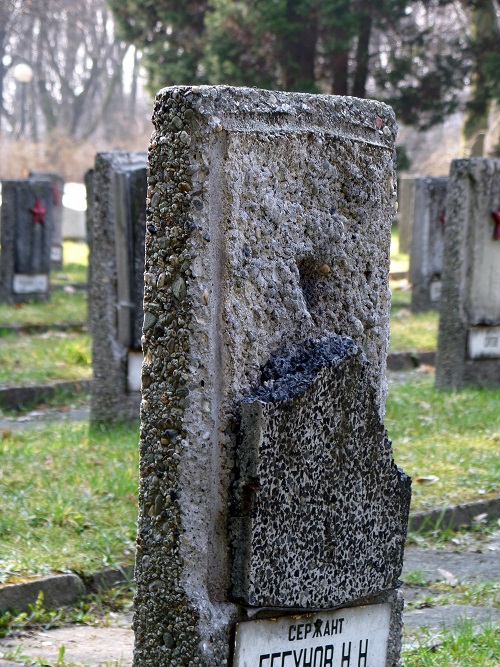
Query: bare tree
point(76, 59)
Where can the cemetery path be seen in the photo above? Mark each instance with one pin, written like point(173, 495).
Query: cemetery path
point(94, 646)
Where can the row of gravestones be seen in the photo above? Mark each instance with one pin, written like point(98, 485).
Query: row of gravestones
point(451, 227)
point(272, 518)
point(469, 348)
point(267, 481)
point(30, 236)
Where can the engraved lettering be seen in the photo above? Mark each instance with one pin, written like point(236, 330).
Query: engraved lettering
point(328, 656)
point(317, 628)
point(285, 655)
point(264, 656)
point(308, 663)
point(346, 657)
point(307, 630)
point(273, 656)
point(319, 649)
point(290, 632)
point(297, 662)
point(362, 654)
point(299, 631)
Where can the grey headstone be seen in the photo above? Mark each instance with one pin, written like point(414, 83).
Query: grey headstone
point(268, 228)
point(469, 326)
point(56, 252)
point(427, 243)
point(406, 201)
point(116, 194)
point(26, 239)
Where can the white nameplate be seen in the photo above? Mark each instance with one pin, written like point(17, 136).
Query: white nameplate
point(484, 343)
point(24, 284)
point(55, 253)
point(134, 363)
point(435, 291)
point(355, 637)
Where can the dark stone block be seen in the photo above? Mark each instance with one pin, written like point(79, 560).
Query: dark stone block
point(320, 508)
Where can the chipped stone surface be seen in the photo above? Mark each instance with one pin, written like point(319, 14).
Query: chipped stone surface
point(471, 273)
point(268, 225)
point(116, 192)
point(427, 243)
point(25, 244)
point(321, 509)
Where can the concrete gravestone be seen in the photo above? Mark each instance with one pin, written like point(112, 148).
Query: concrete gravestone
point(427, 242)
point(406, 200)
point(56, 251)
point(267, 482)
point(26, 239)
point(469, 326)
point(116, 193)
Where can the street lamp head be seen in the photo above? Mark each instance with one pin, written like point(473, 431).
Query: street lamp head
point(23, 73)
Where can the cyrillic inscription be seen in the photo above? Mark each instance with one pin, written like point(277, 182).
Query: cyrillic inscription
point(354, 637)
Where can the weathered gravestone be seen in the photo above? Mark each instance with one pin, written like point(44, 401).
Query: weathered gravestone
point(268, 488)
point(406, 205)
point(116, 193)
point(469, 324)
point(56, 251)
point(427, 242)
point(26, 239)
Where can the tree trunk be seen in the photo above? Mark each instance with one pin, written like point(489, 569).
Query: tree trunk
point(485, 39)
point(362, 54)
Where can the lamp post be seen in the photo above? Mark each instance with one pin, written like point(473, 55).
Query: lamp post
point(23, 75)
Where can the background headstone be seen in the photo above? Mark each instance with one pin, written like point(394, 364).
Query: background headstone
point(116, 190)
point(26, 239)
point(406, 196)
point(267, 261)
point(56, 252)
point(469, 325)
point(427, 242)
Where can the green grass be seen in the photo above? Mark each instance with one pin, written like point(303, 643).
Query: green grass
point(400, 262)
point(75, 263)
point(413, 332)
point(409, 332)
point(465, 645)
point(61, 308)
point(41, 358)
point(446, 441)
point(68, 499)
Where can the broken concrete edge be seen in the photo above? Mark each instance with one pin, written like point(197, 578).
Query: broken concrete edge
point(60, 590)
point(455, 516)
point(64, 589)
point(13, 398)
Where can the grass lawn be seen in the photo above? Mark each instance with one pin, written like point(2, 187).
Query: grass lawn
point(446, 441)
point(68, 499)
point(63, 306)
point(75, 263)
point(465, 645)
point(41, 358)
point(400, 262)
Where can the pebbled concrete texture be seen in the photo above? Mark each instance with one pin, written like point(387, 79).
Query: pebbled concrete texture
point(471, 273)
point(268, 226)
